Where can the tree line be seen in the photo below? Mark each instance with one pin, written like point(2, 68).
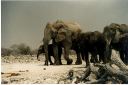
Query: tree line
point(18, 49)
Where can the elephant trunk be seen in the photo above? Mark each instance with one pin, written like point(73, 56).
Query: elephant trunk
point(38, 56)
point(46, 53)
point(107, 52)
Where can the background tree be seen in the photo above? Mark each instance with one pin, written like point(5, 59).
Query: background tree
point(5, 51)
point(21, 49)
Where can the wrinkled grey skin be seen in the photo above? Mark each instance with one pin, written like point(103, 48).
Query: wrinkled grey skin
point(112, 34)
point(122, 47)
point(67, 41)
point(67, 33)
point(49, 34)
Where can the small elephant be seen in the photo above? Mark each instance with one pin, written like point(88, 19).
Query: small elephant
point(50, 53)
point(112, 34)
point(94, 43)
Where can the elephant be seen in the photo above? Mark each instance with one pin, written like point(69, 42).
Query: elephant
point(122, 47)
point(112, 34)
point(60, 31)
point(94, 43)
point(67, 33)
point(50, 53)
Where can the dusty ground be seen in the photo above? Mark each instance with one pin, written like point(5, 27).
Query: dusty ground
point(27, 70)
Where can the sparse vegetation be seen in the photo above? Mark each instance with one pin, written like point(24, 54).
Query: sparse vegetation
point(5, 51)
point(17, 49)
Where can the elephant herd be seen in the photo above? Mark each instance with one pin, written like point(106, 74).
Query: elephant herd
point(68, 35)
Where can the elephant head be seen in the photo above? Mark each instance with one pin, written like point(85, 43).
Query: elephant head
point(113, 32)
point(49, 32)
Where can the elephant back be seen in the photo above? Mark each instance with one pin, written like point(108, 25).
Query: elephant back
point(73, 27)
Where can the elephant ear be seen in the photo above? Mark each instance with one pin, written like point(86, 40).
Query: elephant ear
point(50, 26)
point(123, 28)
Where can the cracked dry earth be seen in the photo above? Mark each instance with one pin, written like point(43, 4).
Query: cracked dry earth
point(27, 70)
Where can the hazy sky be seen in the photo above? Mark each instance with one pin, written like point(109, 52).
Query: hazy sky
point(24, 21)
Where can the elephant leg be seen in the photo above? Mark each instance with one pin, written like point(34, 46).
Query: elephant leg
point(51, 63)
point(122, 56)
point(92, 60)
point(107, 54)
point(78, 61)
point(38, 56)
point(94, 57)
point(126, 58)
point(60, 57)
point(87, 59)
point(46, 54)
point(55, 51)
point(102, 58)
point(109, 57)
point(60, 61)
point(66, 55)
point(82, 55)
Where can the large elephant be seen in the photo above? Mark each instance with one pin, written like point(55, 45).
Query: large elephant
point(112, 34)
point(94, 43)
point(67, 33)
point(51, 33)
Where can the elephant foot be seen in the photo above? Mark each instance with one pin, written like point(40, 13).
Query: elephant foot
point(51, 63)
point(60, 63)
point(78, 62)
point(46, 63)
point(57, 63)
point(69, 62)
